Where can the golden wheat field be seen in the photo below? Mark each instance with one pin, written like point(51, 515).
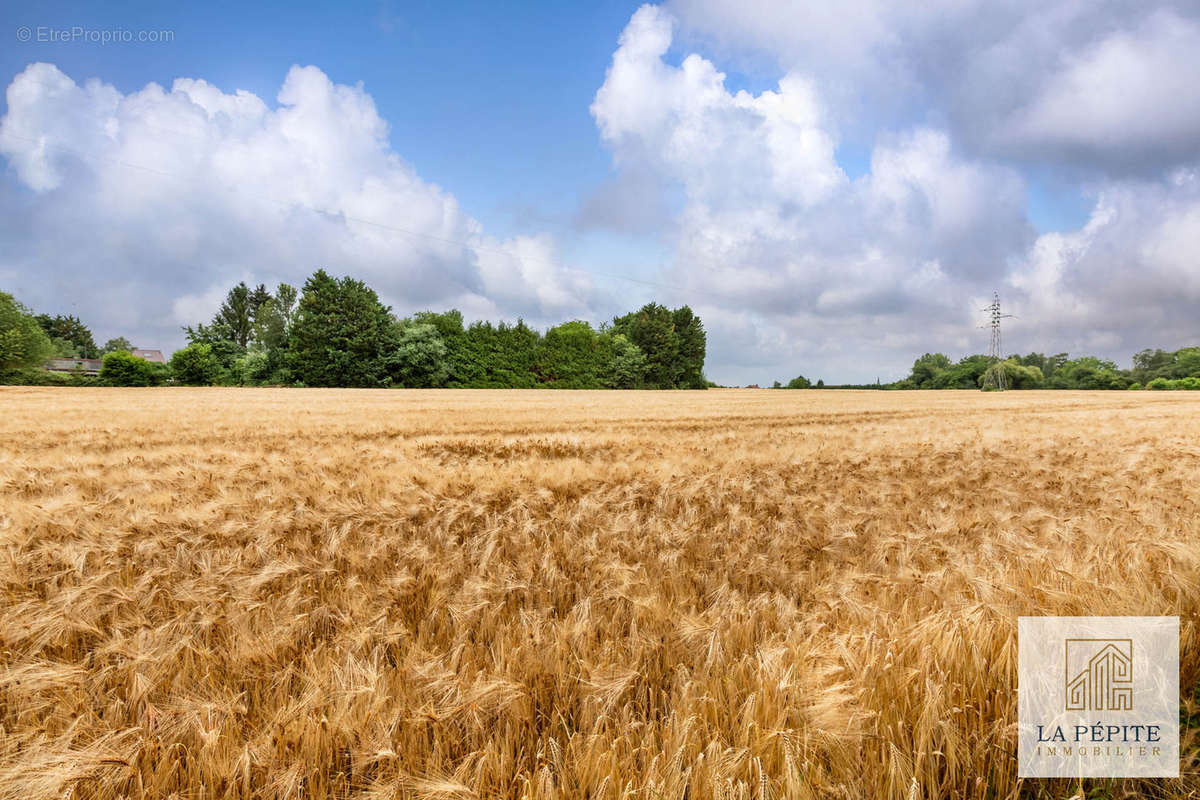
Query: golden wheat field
point(237, 593)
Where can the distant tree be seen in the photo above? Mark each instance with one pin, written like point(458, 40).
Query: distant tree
point(23, 343)
point(1187, 362)
point(569, 357)
point(217, 337)
point(799, 382)
point(820, 383)
point(690, 349)
point(76, 338)
point(449, 324)
point(258, 296)
point(1089, 372)
point(235, 318)
point(285, 304)
point(114, 345)
point(625, 366)
point(450, 328)
point(963, 375)
point(927, 368)
point(652, 329)
point(1032, 360)
point(342, 336)
point(249, 369)
point(419, 360)
point(63, 348)
point(274, 316)
point(196, 365)
point(1054, 363)
point(1016, 375)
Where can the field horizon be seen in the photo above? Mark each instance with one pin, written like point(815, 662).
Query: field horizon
point(733, 593)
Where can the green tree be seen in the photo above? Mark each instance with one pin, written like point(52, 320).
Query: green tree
point(690, 351)
point(799, 382)
point(963, 375)
point(927, 368)
point(1032, 360)
point(569, 357)
point(625, 366)
point(235, 318)
point(285, 302)
point(23, 343)
point(274, 316)
point(258, 296)
point(652, 329)
point(217, 337)
point(1187, 362)
point(197, 365)
point(1151, 364)
point(449, 324)
point(491, 356)
point(1016, 375)
point(1054, 363)
point(420, 358)
point(249, 369)
point(450, 328)
point(113, 345)
point(1089, 372)
point(125, 369)
point(71, 331)
point(342, 336)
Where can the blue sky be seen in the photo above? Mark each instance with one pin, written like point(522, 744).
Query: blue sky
point(488, 99)
point(880, 170)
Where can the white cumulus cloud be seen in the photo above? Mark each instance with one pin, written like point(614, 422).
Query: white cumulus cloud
point(796, 266)
point(142, 208)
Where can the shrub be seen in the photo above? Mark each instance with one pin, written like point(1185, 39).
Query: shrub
point(36, 376)
point(1159, 384)
point(196, 365)
point(1135, 386)
point(251, 368)
point(125, 369)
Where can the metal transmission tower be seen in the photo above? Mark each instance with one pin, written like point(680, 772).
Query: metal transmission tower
point(995, 377)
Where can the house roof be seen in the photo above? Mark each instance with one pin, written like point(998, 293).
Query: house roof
point(150, 355)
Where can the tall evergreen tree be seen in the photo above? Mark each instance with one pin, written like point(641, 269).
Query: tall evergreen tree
point(692, 342)
point(652, 329)
point(569, 357)
point(235, 318)
point(342, 336)
point(73, 332)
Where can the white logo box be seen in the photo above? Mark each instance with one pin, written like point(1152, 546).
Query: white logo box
point(1098, 697)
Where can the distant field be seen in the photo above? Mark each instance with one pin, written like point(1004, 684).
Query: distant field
point(234, 593)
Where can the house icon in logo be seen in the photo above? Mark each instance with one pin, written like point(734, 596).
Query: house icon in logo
point(1099, 675)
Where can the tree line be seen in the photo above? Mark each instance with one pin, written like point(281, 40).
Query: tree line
point(336, 332)
point(1152, 369)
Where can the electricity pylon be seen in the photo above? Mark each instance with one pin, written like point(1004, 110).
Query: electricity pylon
point(995, 378)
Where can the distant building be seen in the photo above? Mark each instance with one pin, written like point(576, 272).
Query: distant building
point(91, 366)
point(86, 366)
